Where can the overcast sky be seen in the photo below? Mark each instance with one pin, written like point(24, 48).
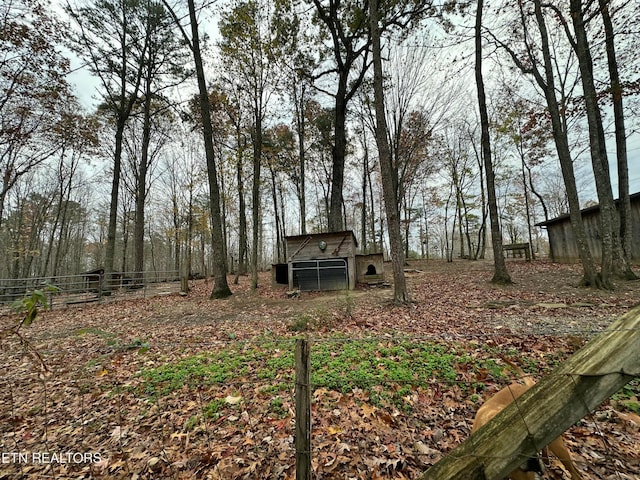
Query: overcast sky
point(86, 87)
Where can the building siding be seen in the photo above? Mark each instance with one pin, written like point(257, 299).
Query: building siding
point(562, 242)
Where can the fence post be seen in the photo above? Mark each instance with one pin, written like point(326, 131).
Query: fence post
point(303, 412)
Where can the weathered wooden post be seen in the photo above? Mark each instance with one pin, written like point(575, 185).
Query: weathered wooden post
point(184, 277)
point(303, 411)
point(573, 390)
point(100, 285)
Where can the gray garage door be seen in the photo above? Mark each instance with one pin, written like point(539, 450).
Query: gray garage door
point(321, 274)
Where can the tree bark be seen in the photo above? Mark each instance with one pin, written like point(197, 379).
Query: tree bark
point(350, 46)
point(624, 206)
point(255, 196)
point(299, 104)
point(363, 212)
point(400, 294)
point(242, 211)
point(141, 186)
point(220, 286)
point(547, 84)
point(277, 218)
point(338, 152)
point(500, 275)
point(109, 254)
point(123, 111)
point(609, 223)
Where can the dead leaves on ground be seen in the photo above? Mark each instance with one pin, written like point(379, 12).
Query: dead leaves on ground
point(93, 400)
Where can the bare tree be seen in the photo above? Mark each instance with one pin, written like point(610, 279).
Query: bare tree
point(162, 63)
point(500, 275)
point(250, 55)
point(621, 141)
point(542, 71)
point(609, 224)
point(106, 40)
point(346, 26)
point(388, 174)
point(220, 288)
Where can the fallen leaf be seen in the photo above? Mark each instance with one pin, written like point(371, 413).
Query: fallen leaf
point(231, 400)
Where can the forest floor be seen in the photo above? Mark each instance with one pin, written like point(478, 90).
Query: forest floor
point(185, 387)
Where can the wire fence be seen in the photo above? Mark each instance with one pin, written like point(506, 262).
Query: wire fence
point(104, 406)
point(95, 286)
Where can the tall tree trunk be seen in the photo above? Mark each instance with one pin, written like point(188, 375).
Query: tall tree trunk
point(547, 84)
point(453, 228)
point(255, 197)
point(363, 213)
point(125, 239)
point(377, 246)
point(283, 224)
point(141, 189)
point(336, 220)
point(609, 223)
point(346, 33)
point(624, 199)
point(400, 294)
point(527, 205)
point(223, 211)
point(176, 230)
point(482, 231)
point(276, 213)
point(188, 260)
point(125, 104)
point(299, 104)
point(456, 182)
point(220, 287)
point(242, 213)
point(407, 227)
point(467, 233)
point(501, 275)
point(109, 255)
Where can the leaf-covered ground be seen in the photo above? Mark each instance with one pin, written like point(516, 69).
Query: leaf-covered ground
point(186, 387)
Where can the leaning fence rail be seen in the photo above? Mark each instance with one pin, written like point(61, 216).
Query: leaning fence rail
point(573, 390)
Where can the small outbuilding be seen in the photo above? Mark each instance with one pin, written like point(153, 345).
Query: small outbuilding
point(93, 280)
point(322, 261)
point(562, 242)
point(370, 268)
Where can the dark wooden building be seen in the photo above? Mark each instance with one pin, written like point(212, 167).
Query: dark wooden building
point(93, 279)
point(322, 261)
point(562, 243)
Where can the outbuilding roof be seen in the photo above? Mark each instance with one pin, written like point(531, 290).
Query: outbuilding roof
point(593, 208)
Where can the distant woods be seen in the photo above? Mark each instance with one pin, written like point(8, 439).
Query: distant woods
point(217, 130)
